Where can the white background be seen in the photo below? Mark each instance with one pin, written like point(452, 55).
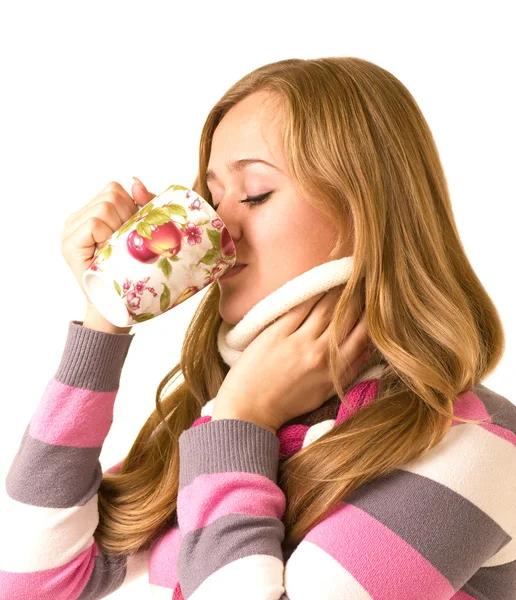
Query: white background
point(100, 91)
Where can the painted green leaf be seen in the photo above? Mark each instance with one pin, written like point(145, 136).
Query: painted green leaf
point(176, 209)
point(132, 220)
point(165, 266)
point(126, 227)
point(159, 216)
point(176, 187)
point(214, 236)
point(164, 299)
point(144, 229)
point(210, 257)
point(143, 317)
point(106, 251)
point(145, 209)
point(175, 258)
point(117, 288)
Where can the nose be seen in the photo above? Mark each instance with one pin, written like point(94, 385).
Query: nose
point(230, 216)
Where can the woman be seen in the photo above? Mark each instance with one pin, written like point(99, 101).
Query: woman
point(296, 464)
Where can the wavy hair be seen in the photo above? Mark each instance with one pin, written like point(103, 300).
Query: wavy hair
point(357, 145)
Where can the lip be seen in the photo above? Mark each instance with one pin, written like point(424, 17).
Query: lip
point(233, 271)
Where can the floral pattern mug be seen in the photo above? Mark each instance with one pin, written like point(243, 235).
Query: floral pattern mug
point(169, 250)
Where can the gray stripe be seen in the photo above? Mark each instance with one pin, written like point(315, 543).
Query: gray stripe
point(92, 359)
point(228, 445)
point(53, 476)
point(501, 410)
point(493, 583)
point(107, 576)
point(243, 536)
point(449, 531)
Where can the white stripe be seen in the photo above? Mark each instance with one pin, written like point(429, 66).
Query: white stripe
point(255, 577)
point(158, 592)
point(481, 467)
point(316, 431)
point(137, 567)
point(311, 573)
point(35, 538)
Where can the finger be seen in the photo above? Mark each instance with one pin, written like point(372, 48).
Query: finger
point(292, 320)
point(140, 193)
point(317, 323)
point(357, 341)
point(113, 193)
point(93, 232)
point(351, 372)
point(110, 207)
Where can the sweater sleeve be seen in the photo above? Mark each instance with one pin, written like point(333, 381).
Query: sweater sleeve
point(443, 523)
point(49, 498)
point(229, 512)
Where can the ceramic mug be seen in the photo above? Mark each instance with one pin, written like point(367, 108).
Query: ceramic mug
point(169, 250)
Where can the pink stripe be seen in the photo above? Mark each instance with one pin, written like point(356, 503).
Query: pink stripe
point(362, 393)
point(383, 563)
point(216, 495)
point(201, 420)
point(469, 406)
point(291, 439)
point(70, 416)
point(501, 432)
point(62, 583)
point(462, 596)
point(163, 559)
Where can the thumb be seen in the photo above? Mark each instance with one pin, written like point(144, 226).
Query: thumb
point(141, 194)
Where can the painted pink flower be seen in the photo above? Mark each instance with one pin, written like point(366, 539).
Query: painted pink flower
point(133, 300)
point(193, 234)
point(140, 287)
point(196, 204)
point(217, 223)
point(94, 266)
point(127, 284)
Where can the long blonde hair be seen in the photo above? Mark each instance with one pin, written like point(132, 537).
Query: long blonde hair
point(357, 145)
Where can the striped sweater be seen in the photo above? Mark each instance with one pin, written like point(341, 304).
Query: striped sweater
point(442, 526)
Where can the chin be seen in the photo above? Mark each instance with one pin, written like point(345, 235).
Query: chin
point(231, 317)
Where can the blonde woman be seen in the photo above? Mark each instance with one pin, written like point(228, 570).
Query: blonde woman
point(331, 437)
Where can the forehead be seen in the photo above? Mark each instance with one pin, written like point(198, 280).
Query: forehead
point(250, 128)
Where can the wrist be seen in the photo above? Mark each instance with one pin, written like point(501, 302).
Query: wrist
point(242, 415)
point(94, 320)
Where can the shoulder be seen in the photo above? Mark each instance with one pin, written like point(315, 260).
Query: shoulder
point(433, 522)
point(501, 410)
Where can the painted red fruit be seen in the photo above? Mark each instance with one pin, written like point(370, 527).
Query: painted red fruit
point(226, 243)
point(137, 249)
point(166, 240)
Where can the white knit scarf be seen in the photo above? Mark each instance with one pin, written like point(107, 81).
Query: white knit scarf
point(234, 339)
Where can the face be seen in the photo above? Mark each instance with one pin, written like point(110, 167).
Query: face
point(280, 237)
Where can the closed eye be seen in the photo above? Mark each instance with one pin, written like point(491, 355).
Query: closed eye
point(252, 200)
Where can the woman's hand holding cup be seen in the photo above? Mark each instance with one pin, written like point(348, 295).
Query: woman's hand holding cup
point(90, 227)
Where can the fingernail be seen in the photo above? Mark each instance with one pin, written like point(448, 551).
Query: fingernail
point(139, 182)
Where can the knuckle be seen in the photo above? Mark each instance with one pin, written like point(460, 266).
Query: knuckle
point(106, 208)
point(316, 355)
point(113, 186)
point(94, 221)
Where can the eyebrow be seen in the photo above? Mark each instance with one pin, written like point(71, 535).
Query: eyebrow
point(239, 165)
